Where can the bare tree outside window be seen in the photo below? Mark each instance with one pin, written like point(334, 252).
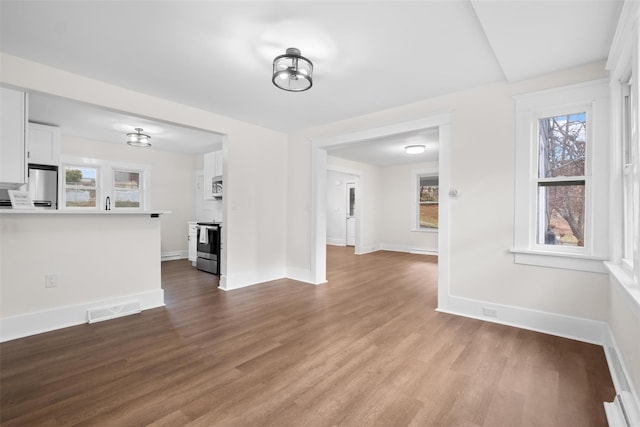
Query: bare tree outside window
point(561, 179)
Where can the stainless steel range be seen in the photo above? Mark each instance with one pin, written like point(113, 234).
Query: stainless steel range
point(208, 247)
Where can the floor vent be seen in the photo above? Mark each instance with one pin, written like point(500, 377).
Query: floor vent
point(622, 412)
point(99, 314)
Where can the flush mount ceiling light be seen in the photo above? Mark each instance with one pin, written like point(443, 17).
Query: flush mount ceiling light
point(138, 139)
point(414, 149)
point(292, 72)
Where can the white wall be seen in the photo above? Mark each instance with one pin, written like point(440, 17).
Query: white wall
point(398, 216)
point(172, 181)
point(482, 150)
point(255, 219)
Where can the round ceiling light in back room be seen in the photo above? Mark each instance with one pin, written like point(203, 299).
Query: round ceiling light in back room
point(138, 139)
point(415, 149)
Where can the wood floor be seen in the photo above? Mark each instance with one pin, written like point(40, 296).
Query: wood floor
point(365, 349)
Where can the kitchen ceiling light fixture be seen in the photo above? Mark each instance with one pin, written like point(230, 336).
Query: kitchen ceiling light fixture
point(414, 149)
point(292, 71)
point(138, 139)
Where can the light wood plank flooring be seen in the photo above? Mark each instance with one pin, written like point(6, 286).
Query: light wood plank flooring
point(365, 349)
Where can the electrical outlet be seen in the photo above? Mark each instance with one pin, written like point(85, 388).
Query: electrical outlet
point(489, 312)
point(51, 281)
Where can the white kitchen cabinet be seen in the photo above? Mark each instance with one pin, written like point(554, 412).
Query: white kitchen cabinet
point(212, 186)
point(13, 122)
point(193, 242)
point(44, 144)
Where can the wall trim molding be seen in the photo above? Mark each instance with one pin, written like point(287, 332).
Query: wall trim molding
point(407, 249)
point(173, 255)
point(625, 390)
point(250, 278)
point(577, 328)
point(37, 322)
point(334, 241)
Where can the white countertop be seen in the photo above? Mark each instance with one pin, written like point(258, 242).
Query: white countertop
point(77, 212)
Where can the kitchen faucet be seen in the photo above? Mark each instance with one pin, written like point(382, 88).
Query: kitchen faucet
point(107, 204)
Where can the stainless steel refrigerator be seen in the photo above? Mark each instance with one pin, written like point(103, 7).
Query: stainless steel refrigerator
point(43, 186)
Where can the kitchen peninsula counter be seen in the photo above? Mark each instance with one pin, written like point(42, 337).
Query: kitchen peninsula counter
point(56, 265)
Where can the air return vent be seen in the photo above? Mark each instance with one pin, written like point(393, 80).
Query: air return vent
point(98, 314)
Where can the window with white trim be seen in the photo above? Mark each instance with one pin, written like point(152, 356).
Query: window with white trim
point(127, 188)
point(89, 182)
point(427, 202)
point(80, 187)
point(561, 183)
point(630, 178)
point(561, 177)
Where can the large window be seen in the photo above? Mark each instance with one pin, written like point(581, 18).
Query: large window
point(561, 177)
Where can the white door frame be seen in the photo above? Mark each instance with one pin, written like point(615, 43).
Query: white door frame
point(318, 224)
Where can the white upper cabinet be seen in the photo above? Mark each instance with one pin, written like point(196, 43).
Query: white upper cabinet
point(44, 144)
point(13, 121)
point(212, 188)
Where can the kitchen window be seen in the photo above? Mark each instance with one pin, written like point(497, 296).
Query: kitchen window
point(100, 184)
point(80, 187)
point(561, 177)
point(127, 188)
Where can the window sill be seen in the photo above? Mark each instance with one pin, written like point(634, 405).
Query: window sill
point(559, 260)
point(625, 282)
point(423, 230)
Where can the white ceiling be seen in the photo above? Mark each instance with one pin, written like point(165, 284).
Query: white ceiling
point(389, 150)
point(368, 55)
point(99, 124)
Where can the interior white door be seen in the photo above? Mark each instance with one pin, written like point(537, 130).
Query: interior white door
point(351, 214)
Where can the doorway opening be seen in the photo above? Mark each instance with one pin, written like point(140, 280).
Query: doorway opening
point(321, 149)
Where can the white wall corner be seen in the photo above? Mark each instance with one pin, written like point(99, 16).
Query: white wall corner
point(24, 325)
point(577, 328)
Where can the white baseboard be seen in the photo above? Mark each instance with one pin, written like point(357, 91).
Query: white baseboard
point(627, 395)
point(24, 325)
point(367, 249)
point(302, 275)
point(336, 241)
point(250, 278)
point(174, 255)
point(576, 328)
point(407, 249)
